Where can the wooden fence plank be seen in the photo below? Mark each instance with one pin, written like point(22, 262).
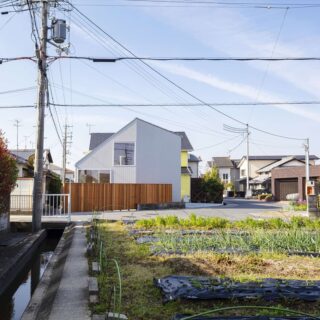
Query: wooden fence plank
point(88, 197)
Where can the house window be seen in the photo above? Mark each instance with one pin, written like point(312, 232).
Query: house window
point(243, 172)
point(94, 176)
point(124, 154)
point(225, 176)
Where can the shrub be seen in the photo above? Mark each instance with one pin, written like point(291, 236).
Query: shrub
point(8, 172)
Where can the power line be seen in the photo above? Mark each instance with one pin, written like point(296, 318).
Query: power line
point(216, 59)
point(206, 4)
point(18, 90)
point(122, 105)
point(271, 103)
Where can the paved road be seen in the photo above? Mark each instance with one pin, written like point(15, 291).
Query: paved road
point(234, 209)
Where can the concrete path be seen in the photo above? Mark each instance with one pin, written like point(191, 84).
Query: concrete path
point(71, 300)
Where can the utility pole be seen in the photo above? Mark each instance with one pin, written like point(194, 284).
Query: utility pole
point(248, 193)
point(17, 124)
point(89, 126)
point(25, 141)
point(41, 103)
point(65, 152)
point(307, 160)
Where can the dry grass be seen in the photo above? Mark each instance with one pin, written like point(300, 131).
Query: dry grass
point(142, 301)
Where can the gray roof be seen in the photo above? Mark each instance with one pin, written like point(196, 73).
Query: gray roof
point(185, 143)
point(185, 170)
point(222, 162)
point(27, 153)
point(97, 138)
point(279, 157)
point(193, 158)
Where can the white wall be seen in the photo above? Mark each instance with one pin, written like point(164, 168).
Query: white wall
point(225, 171)
point(158, 157)
point(195, 169)
point(254, 166)
point(101, 158)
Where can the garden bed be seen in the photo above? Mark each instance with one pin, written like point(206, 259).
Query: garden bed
point(142, 300)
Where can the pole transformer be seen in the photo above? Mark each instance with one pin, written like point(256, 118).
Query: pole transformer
point(41, 103)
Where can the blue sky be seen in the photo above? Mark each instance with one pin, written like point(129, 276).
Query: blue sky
point(171, 31)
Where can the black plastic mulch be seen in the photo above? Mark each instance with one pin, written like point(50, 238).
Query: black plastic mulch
point(206, 288)
point(181, 316)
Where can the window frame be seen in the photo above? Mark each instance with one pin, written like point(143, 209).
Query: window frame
point(134, 154)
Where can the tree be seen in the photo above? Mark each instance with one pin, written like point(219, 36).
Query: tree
point(8, 175)
point(212, 186)
point(213, 173)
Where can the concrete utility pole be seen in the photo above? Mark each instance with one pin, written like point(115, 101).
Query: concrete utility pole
point(41, 103)
point(66, 140)
point(17, 124)
point(64, 155)
point(306, 148)
point(248, 192)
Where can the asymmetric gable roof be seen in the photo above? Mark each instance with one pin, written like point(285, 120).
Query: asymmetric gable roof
point(115, 134)
point(96, 138)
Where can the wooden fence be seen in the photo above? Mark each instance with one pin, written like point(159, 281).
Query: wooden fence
point(88, 197)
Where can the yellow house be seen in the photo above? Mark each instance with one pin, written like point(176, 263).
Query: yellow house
point(186, 147)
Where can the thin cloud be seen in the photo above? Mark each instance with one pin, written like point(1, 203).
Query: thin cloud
point(236, 88)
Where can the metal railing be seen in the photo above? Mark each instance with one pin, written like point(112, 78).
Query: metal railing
point(56, 205)
point(53, 205)
point(21, 204)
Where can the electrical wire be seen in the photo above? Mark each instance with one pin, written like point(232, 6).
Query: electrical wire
point(207, 4)
point(173, 104)
point(213, 59)
point(265, 74)
point(18, 90)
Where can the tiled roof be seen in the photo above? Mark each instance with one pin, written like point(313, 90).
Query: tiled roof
point(222, 162)
point(279, 157)
point(27, 153)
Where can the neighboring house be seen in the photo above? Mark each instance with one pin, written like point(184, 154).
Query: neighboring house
point(25, 160)
point(227, 168)
point(140, 152)
point(58, 170)
point(286, 180)
point(186, 172)
point(193, 164)
point(260, 169)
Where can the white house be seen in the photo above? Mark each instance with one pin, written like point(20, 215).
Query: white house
point(140, 152)
point(227, 168)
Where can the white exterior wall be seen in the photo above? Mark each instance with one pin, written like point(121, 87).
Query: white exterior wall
point(195, 169)
point(158, 157)
point(101, 158)
point(294, 163)
point(254, 166)
point(224, 171)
